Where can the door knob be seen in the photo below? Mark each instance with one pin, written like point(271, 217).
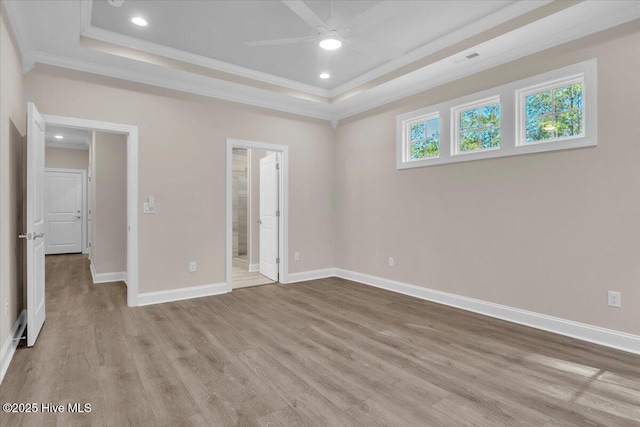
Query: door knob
point(36, 235)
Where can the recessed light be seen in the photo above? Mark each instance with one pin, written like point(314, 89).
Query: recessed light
point(330, 43)
point(58, 137)
point(139, 21)
point(325, 75)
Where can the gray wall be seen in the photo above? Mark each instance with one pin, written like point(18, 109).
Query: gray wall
point(182, 141)
point(12, 147)
point(109, 202)
point(66, 158)
point(549, 233)
point(240, 209)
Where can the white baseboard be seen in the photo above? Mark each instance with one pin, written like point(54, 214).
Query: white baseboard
point(606, 337)
point(253, 268)
point(11, 343)
point(120, 276)
point(311, 275)
point(158, 297)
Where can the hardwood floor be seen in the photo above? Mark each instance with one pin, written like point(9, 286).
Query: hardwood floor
point(324, 353)
point(241, 278)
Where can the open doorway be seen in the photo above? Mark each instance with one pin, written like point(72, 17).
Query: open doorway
point(36, 223)
point(85, 217)
point(255, 209)
point(256, 213)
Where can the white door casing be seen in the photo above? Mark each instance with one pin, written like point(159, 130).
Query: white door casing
point(269, 210)
point(64, 211)
point(35, 224)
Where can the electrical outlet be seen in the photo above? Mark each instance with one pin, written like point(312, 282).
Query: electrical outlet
point(296, 256)
point(614, 299)
point(6, 307)
point(391, 261)
point(192, 267)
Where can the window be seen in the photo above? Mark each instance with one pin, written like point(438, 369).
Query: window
point(552, 112)
point(477, 126)
point(556, 110)
point(425, 137)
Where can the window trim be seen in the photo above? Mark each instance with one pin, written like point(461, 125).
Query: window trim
point(521, 114)
point(455, 124)
point(510, 108)
point(407, 134)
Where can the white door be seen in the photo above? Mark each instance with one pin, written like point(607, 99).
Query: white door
point(269, 216)
point(63, 212)
point(35, 224)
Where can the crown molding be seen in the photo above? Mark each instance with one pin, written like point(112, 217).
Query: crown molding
point(573, 22)
point(187, 82)
point(587, 18)
point(499, 17)
point(13, 12)
point(89, 31)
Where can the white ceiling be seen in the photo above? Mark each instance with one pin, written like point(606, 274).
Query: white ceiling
point(199, 46)
point(219, 30)
point(73, 138)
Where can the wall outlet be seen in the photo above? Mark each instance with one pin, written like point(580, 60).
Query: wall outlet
point(391, 261)
point(296, 256)
point(192, 267)
point(6, 307)
point(614, 299)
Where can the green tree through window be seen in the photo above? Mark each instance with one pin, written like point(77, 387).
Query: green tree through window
point(425, 139)
point(554, 113)
point(480, 128)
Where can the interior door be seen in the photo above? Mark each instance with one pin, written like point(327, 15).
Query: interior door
point(269, 216)
point(63, 212)
point(35, 224)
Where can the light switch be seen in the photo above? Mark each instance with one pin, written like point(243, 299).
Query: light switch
point(149, 207)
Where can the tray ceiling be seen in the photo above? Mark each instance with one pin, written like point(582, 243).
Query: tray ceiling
point(394, 48)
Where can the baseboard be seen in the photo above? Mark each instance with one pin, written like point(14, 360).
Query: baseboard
point(311, 275)
point(594, 334)
point(253, 268)
point(120, 276)
point(11, 343)
point(159, 297)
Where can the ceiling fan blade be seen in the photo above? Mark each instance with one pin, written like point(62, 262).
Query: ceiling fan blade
point(373, 48)
point(370, 17)
point(306, 14)
point(278, 42)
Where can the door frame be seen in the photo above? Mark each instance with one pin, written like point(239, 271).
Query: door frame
point(84, 202)
point(283, 232)
point(132, 188)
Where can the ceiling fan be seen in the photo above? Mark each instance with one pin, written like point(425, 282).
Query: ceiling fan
point(332, 37)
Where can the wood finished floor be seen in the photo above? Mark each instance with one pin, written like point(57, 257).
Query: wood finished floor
point(241, 278)
point(323, 353)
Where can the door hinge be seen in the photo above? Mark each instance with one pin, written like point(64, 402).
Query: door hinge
point(277, 213)
point(277, 260)
point(277, 166)
point(89, 244)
